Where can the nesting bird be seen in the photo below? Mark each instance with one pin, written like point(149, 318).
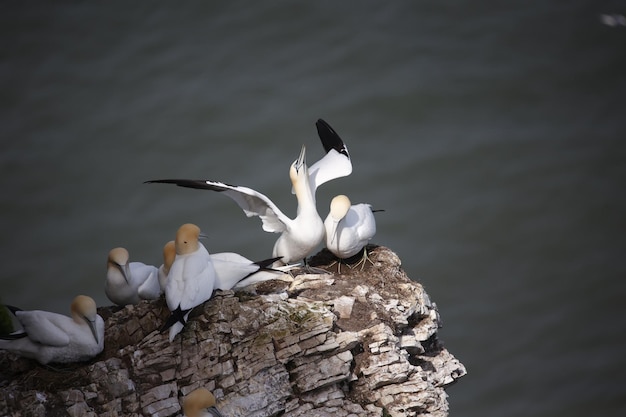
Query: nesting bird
point(51, 337)
point(349, 228)
point(129, 282)
point(191, 278)
point(232, 270)
point(300, 235)
point(200, 403)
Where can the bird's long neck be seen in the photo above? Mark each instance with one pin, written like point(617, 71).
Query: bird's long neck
point(304, 194)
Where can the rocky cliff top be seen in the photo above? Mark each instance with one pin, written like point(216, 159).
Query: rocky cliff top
point(358, 343)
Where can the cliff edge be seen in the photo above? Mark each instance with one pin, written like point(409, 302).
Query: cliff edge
point(358, 343)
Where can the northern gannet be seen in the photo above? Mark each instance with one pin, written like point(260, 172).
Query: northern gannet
point(233, 270)
point(299, 236)
point(349, 228)
point(129, 282)
point(51, 337)
point(302, 234)
point(191, 278)
point(200, 403)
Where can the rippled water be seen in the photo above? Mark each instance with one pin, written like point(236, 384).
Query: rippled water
point(492, 134)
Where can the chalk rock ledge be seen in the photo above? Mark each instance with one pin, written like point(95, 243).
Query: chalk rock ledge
point(355, 343)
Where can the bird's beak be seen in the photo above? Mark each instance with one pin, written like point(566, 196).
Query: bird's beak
point(125, 270)
point(203, 236)
point(92, 327)
point(301, 161)
point(335, 223)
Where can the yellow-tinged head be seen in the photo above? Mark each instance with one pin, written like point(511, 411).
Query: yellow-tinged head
point(118, 256)
point(169, 253)
point(200, 400)
point(187, 239)
point(118, 259)
point(84, 308)
point(339, 207)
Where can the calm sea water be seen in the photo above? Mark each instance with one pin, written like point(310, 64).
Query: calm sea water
point(492, 134)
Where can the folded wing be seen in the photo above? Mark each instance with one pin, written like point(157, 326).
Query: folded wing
point(45, 327)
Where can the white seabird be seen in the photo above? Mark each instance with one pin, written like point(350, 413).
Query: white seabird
point(349, 228)
point(129, 282)
point(191, 278)
point(301, 235)
point(200, 403)
point(232, 270)
point(51, 337)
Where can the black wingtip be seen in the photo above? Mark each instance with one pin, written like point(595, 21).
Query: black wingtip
point(12, 309)
point(330, 139)
point(177, 315)
point(265, 263)
point(13, 336)
point(179, 182)
point(197, 184)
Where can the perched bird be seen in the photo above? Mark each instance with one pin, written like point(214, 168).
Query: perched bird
point(191, 278)
point(200, 403)
point(231, 269)
point(349, 228)
point(300, 235)
point(129, 282)
point(51, 337)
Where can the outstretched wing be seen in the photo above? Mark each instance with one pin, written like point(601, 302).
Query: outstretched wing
point(251, 202)
point(335, 164)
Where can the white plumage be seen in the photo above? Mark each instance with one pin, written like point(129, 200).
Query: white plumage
point(233, 270)
point(51, 337)
point(348, 227)
point(335, 164)
point(302, 234)
point(190, 280)
point(129, 282)
point(299, 236)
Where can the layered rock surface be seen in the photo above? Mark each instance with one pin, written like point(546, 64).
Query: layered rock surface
point(359, 343)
